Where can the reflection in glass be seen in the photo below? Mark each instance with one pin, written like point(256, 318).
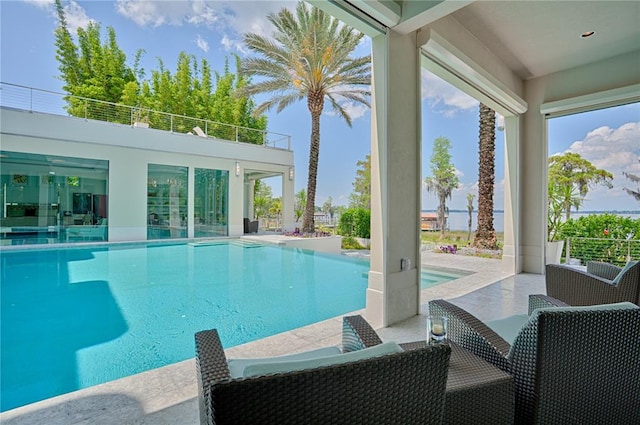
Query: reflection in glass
point(210, 203)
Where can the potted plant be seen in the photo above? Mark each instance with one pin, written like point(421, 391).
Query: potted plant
point(554, 221)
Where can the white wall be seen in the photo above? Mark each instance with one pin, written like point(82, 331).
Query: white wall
point(130, 150)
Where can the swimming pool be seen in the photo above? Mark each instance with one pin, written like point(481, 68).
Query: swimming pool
point(76, 317)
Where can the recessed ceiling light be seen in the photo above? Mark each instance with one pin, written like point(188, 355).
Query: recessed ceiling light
point(587, 34)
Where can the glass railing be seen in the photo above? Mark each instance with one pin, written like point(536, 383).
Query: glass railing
point(48, 102)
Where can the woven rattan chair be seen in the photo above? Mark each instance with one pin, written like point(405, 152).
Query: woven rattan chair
point(572, 365)
point(402, 388)
point(596, 285)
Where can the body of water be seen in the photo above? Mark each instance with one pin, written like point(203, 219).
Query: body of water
point(460, 220)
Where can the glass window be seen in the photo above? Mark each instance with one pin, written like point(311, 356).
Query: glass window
point(211, 202)
point(52, 199)
point(166, 202)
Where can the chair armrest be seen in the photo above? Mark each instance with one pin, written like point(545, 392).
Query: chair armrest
point(471, 334)
point(211, 367)
point(357, 334)
point(604, 270)
point(578, 288)
point(540, 301)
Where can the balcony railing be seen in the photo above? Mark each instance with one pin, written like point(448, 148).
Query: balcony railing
point(614, 251)
point(48, 102)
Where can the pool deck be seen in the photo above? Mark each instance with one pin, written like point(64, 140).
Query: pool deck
point(168, 395)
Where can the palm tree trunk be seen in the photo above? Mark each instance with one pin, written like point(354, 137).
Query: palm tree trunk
point(315, 103)
point(485, 234)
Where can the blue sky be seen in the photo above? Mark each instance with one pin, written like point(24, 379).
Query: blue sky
point(610, 138)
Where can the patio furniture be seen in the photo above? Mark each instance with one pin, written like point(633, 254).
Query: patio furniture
point(601, 283)
point(578, 365)
point(405, 387)
point(250, 226)
point(477, 392)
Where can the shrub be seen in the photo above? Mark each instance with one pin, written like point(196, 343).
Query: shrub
point(355, 222)
point(602, 237)
point(349, 242)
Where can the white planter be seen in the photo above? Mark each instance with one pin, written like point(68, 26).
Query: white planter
point(330, 244)
point(554, 252)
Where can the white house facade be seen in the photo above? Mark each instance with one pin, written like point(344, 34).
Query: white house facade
point(66, 179)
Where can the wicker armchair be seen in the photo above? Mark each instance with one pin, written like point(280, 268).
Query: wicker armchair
point(401, 388)
point(574, 365)
point(594, 286)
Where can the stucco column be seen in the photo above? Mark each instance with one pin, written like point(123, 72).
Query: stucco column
point(533, 183)
point(511, 253)
point(393, 293)
point(288, 207)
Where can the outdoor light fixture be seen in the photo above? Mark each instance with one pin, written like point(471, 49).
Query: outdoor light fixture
point(237, 168)
point(290, 173)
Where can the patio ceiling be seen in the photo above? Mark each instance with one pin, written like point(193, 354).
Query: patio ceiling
point(532, 38)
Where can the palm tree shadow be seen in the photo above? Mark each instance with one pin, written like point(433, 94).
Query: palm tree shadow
point(45, 323)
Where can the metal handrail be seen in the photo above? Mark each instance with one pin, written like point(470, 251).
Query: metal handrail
point(45, 101)
point(610, 250)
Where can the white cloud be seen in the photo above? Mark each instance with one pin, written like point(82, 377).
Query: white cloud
point(615, 150)
point(74, 13)
point(230, 18)
point(443, 97)
point(177, 13)
point(354, 110)
point(202, 43)
point(231, 44)
point(76, 17)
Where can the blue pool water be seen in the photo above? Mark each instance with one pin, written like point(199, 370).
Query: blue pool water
point(76, 317)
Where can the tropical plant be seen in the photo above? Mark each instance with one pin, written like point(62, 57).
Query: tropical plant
point(262, 199)
point(361, 195)
point(98, 70)
point(602, 237)
point(635, 179)
point(308, 58)
point(443, 179)
point(355, 222)
point(329, 209)
point(570, 177)
point(300, 203)
point(486, 234)
point(470, 198)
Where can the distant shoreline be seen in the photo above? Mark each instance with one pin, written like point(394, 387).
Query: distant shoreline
point(635, 212)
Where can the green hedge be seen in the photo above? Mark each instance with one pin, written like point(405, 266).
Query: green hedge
point(355, 222)
point(602, 237)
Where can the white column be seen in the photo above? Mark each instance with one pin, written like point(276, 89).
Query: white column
point(511, 253)
point(288, 198)
point(394, 294)
point(533, 184)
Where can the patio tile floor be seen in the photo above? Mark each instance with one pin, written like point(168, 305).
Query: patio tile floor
point(168, 395)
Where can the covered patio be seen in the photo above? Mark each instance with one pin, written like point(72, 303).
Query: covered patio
point(528, 61)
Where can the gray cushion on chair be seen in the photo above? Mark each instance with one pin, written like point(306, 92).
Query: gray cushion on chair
point(624, 270)
point(509, 327)
point(237, 366)
point(257, 369)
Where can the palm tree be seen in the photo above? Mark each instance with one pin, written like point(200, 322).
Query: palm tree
point(309, 57)
point(486, 234)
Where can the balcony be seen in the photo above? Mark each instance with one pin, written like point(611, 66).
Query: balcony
point(48, 102)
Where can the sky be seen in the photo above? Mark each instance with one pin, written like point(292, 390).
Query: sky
point(213, 30)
